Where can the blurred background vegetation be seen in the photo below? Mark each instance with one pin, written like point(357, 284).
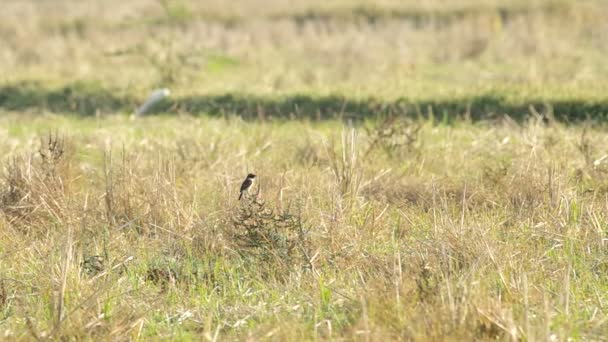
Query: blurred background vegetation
point(312, 58)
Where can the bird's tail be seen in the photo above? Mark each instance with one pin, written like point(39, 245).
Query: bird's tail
point(241, 195)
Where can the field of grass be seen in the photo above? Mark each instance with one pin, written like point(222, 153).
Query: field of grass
point(429, 170)
point(306, 56)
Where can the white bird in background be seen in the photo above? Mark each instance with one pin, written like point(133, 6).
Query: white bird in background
point(157, 96)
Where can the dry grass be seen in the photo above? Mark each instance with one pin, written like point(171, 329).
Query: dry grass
point(387, 49)
point(476, 231)
point(363, 224)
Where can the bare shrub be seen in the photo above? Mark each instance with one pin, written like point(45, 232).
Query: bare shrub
point(274, 238)
point(392, 134)
point(36, 186)
point(51, 151)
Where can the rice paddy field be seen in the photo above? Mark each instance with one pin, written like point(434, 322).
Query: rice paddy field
point(426, 171)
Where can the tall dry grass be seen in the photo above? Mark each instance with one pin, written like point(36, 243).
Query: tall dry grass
point(386, 228)
point(494, 230)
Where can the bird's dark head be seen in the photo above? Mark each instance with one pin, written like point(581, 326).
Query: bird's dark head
point(251, 176)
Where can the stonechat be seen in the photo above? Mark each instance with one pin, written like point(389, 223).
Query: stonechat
point(247, 184)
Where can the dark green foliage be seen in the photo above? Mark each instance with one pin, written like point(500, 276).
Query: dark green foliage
point(79, 98)
point(88, 99)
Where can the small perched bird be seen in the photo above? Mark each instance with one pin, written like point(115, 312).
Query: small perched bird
point(247, 184)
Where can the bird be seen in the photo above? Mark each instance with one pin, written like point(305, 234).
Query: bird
point(247, 183)
point(155, 97)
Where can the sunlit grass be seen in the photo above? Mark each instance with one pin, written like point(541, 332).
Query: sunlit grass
point(419, 175)
point(462, 231)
